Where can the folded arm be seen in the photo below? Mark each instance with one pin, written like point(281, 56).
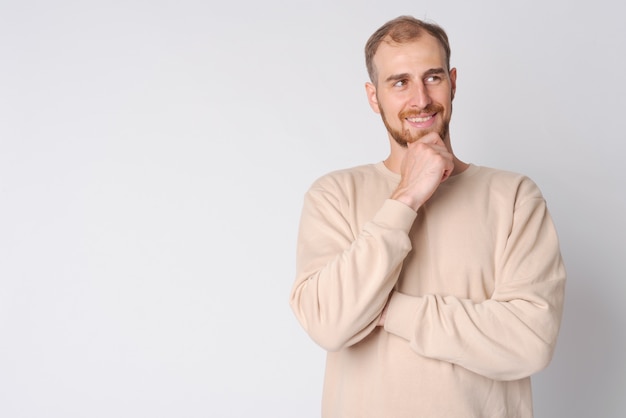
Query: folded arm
point(344, 277)
point(512, 334)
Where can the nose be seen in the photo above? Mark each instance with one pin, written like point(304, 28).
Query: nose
point(419, 96)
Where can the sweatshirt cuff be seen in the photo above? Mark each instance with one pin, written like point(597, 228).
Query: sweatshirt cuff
point(395, 215)
point(400, 314)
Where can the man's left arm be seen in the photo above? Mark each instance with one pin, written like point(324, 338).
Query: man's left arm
point(509, 336)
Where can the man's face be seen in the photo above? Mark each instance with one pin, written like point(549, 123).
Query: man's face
point(414, 90)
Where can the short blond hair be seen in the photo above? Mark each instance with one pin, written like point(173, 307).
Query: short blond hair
point(401, 30)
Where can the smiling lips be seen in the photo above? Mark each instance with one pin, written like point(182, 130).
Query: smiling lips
point(420, 119)
point(423, 121)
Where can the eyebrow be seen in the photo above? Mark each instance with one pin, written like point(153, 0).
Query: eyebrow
point(403, 76)
point(396, 77)
point(433, 71)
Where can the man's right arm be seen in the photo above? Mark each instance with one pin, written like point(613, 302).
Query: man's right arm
point(343, 277)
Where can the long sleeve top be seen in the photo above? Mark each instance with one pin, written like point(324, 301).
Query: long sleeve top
point(473, 283)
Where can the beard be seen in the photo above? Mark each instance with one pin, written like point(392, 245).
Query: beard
point(405, 137)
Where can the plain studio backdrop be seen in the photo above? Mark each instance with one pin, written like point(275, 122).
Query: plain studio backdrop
point(153, 160)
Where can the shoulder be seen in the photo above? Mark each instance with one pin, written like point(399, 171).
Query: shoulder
point(516, 186)
point(361, 187)
point(348, 178)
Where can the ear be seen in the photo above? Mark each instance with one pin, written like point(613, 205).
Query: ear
point(370, 89)
point(453, 81)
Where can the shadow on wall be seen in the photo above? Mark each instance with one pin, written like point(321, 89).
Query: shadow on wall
point(588, 374)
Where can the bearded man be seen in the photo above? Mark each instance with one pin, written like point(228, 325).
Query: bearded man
point(436, 286)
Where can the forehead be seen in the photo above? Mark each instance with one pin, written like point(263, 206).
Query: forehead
point(419, 55)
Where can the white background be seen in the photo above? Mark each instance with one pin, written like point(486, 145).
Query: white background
point(153, 158)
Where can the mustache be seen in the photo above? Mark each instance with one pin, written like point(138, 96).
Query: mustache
point(429, 109)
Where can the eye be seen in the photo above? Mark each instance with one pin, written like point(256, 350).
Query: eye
point(432, 79)
point(400, 83)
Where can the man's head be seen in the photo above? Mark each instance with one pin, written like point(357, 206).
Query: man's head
point(412, 84)
point(401, 30)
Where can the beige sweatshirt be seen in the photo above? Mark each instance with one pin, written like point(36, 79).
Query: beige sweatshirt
point(474, 284)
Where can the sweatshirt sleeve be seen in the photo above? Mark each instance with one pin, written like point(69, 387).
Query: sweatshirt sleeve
point(512, 334)
point(344, 277)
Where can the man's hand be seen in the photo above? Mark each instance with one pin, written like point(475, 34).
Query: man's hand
point(427, 163)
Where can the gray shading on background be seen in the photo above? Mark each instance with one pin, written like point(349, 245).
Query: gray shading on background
point(153, 158)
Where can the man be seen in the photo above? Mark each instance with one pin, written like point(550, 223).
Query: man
point(435, 285)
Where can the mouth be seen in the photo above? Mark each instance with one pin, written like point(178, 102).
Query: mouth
point(421, 121)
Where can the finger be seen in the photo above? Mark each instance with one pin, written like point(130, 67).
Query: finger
point(447, 172)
